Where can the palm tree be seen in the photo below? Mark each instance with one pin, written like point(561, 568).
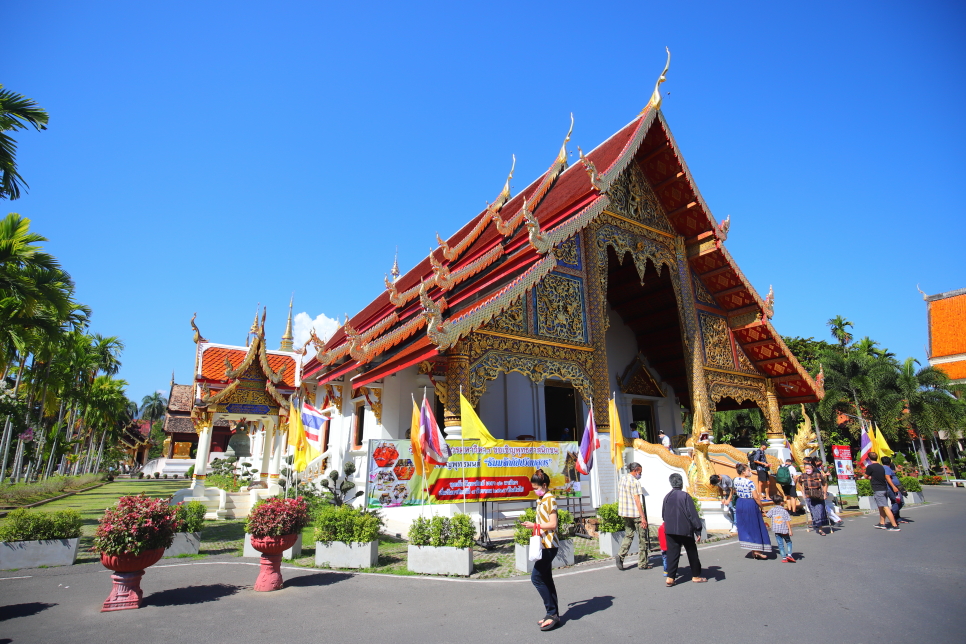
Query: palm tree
point(154, 407)
point(929, 402)
point(870, 347)
point(16, 113)
point(839, 326)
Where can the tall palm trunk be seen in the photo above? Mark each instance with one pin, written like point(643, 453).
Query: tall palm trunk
point(8, 427)
point(53, 444)
point(72, 418)
point(100, 453)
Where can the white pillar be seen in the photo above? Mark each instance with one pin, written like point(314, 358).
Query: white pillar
point(278, 448)
point(267, 433)
point(201, 461)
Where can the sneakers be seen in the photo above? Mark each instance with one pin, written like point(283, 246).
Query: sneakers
point(788, 560)
point(620, 562)
point(733, 530)
point(880, 526)
point(890, 528)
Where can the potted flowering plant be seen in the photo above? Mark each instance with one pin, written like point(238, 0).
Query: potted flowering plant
point(130, 537)
point(274, 525)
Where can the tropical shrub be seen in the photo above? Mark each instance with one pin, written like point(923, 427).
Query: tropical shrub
point(36, 525)
point(521, 534)
point(346, 524)
point(276, 517)
point(23, 493)
point(157, 475)
point(911, 483)
point(608, 520)
point(190, 517)
point(864, 487)
point(456, 532)
point(135, 525)
point(932, 480)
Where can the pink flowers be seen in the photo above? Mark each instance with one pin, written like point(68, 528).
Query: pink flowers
point(275, 517)
point(134, 525)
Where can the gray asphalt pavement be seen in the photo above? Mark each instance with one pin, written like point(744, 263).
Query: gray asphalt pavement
point(857, 585)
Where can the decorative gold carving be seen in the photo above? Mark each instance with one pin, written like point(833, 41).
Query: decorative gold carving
point(532, 340)
point(591, 170)
point(559, 308)
point(373, 398)
point(457, 380)
point(197, 337)
point(334, 394)
point(772, 412)
point(638, 380)
point(805, 442)
point(717, 344)
point(674, 460)
point(723, 228)
point(655, 102)
point(536, 238)
point(701, 468)
point(446, 280)
point(513, 320)
point(398, 299)
point(702, 293)
point(491, 214)
point(632, 197)
point(567, 253)
point(738, 387)
point(744, 364)
point(769, 309)
point(742, 320)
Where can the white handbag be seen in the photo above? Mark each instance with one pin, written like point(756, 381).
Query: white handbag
point(535, 552)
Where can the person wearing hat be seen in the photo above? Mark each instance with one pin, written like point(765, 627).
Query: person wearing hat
point(682, 528)
point(665, 441)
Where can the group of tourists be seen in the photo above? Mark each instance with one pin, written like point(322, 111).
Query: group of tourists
point(745, 505)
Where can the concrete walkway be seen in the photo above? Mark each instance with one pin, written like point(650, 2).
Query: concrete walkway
point(856, 585)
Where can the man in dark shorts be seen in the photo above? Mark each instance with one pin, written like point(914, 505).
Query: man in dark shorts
point(758, 462)
point(880, 484)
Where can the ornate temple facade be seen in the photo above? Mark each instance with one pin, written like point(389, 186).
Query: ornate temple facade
point(608, 276)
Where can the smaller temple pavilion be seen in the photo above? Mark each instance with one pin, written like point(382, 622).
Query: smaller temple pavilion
point(947, 333)
point(238, 406)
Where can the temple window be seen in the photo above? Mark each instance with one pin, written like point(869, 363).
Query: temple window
point(358, 424)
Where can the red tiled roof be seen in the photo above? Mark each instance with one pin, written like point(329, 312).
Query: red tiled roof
point(213, 363)
point(947, 326)
point(180, 398)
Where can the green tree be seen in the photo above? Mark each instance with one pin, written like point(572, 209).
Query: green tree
point(839, 327)
point(17, 112)
point(154, 407)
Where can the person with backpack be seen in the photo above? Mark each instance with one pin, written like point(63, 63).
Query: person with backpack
point(785, 478)
point(758, 461)
point(813, 487)
point(900, 493)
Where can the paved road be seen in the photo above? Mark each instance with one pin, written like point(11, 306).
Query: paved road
point(858, 585)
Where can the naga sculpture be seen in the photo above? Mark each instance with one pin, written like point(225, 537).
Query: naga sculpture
point(701, 469)
point(806, 442)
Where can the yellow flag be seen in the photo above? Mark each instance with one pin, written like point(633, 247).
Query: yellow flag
point(880, 445)
point(616, 435)
point(473, 427)
point(296, 433)
point(414, 437)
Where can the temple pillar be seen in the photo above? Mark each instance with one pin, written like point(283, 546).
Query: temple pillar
point(266, 456)
point(201, 459)
point(775, 432)
point(457, 379)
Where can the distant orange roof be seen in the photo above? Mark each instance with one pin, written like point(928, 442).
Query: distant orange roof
point(213, 363)
point(947, 324)
point(955, 370)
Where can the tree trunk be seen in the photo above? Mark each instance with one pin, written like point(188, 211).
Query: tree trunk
point(100, 452)
point(8, 427)
point(53, 444)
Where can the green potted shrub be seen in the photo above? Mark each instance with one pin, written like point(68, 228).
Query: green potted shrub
point(32, 538)
point(913, 489)
point(521, 540)
point(190, 519)
point(864, 490)
point(442, 545)
point(273, 526)
point(346, 537)
point(132, 536)
point(610, 527)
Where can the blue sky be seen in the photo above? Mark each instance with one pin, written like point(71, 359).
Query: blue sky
point(208, 156)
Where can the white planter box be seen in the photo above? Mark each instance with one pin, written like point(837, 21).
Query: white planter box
point(347, 555)
point(445, 560)
point(31, 554)
point(867, 503)
point(185, 543)
point(913, 497)
point(610, 543)
point(292, 553)
point(565, 556)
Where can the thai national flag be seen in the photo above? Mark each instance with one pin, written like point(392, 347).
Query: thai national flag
point(314, 422)
point(589, 443)
point(866, 445)
point(435, 449)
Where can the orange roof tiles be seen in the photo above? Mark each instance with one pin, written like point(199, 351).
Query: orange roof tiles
point(213, 363)
point(955, 370)
point(947, 326)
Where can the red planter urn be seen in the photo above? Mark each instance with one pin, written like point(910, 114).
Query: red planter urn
point(128, 570)
point(270, 575)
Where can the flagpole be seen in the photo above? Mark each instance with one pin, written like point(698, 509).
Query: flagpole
point(463, 455)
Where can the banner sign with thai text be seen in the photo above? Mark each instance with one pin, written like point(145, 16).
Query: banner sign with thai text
point(473, 473)
point(843, 469)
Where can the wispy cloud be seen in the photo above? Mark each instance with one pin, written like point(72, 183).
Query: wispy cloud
point(324, 327)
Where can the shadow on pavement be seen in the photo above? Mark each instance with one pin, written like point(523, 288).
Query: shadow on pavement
point(23, 610)
point(316, 579)
point(715, 572)
point(190, 595)
point(576, 610)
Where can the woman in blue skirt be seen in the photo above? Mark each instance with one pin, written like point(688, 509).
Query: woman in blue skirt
point(752, 533)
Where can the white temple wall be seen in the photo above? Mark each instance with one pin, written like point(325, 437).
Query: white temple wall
point(513, 405)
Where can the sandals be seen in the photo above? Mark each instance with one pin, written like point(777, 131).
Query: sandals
point(669, 583)
point(699, 580)
point(554, 623)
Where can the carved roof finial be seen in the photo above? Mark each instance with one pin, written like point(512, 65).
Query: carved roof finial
point(770, 303)
point(723, 228)
point(254, 328)
point(288, 338)
point(655, 101)
point(562, 155)
point(505, 193)
point(197, 337)
point(395, 266)
point(924, 296)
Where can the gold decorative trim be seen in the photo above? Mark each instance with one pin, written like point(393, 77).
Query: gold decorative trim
point(534, 340)
point(735, 373)
point(674, 460)
point(637, 223)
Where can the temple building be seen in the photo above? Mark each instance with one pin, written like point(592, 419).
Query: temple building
point(947, 333)
point(608, 275)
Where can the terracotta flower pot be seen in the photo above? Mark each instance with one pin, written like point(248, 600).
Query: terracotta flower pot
point(270, 574)
point(126, 593)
